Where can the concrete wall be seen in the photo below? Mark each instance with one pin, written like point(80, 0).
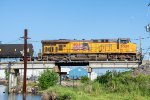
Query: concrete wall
point(2, 74)
point(30, 72)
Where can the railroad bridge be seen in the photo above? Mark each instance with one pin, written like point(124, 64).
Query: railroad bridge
point(52, 64)
point(14, 67)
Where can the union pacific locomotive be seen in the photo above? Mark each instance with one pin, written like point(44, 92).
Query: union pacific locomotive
point(89, 50)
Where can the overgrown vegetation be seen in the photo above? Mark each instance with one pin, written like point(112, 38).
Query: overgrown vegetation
point(111, 86)
point(84, 79)
point(125, 83)
point(7, 74)
point(47, 78)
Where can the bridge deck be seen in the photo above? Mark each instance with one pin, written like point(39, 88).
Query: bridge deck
point(51, 64)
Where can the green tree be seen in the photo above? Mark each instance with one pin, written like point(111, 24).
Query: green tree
point(47, 78)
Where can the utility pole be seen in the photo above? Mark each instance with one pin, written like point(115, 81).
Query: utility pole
point(148, 58)
point(140, 44)
point(140, 51)
point(148, 29)
point(25, 59)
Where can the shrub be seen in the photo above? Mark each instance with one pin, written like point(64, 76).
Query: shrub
point(104, 79)
point(7, 74)
point(65, 97)
point(47, 78)
point(84, 79)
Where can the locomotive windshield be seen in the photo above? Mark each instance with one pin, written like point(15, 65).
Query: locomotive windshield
point(124, 41)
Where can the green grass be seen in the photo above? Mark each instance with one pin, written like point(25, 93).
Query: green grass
point(111, 86)
point(96, 94)
point(32, 84)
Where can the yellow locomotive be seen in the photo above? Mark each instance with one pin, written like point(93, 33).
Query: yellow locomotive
point(89, 50)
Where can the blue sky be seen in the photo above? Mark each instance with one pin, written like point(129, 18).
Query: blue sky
point(79, 19)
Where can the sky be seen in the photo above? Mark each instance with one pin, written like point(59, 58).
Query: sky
point(73, 19)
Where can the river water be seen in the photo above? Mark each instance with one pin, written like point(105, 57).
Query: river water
point(5, 96)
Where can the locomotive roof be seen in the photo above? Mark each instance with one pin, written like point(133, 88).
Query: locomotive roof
point(83, 40)
point(63, 40)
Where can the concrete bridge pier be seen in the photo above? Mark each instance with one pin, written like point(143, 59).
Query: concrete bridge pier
point(89, 70)
point(13, 80)
point(57, 69)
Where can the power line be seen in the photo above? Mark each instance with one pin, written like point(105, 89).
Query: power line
point(146, 51)
point(34, 41)
point(148, 10)
point(18, 39)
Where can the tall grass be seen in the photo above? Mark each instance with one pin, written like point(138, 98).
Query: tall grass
point(111, 86)
point(125, 83)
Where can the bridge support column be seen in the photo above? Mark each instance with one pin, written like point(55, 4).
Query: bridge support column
point(12, 80)
point(16, 76)
point(57, 69)
point(89, 69)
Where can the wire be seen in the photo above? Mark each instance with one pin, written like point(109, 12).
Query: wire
point(34, 41)
point(146, 51)
point(148, 10)
point(18, 39)
point(10, 42)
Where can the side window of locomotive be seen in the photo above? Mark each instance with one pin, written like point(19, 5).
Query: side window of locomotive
point(49, 49)
point(45, 49)
point(56, 49)
point(60, 47)
point(64, 46)
point(52, 49)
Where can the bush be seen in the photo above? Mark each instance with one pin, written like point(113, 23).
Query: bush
point(84, 79)
point(47, 78)
point(104, 79)
point(7, 74)
point(65, 97)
